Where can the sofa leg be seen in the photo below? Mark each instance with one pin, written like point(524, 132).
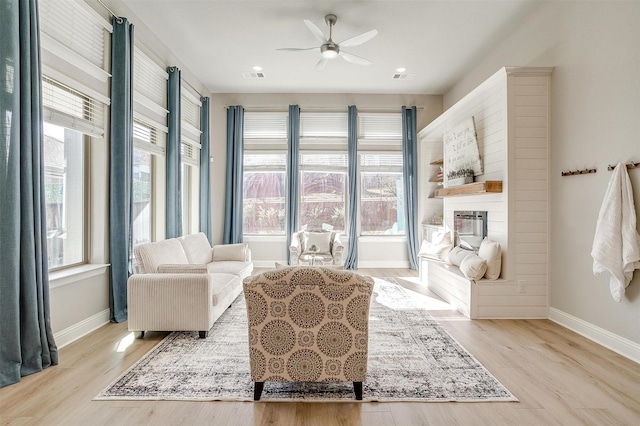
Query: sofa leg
point(257, 390)
point(357, 389)
point(203, 334)
point(138, 334)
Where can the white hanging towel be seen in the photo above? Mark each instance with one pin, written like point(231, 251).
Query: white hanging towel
point(616, 245)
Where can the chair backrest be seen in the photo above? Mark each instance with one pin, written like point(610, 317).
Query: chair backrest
point(304, 237)
point(308, 324)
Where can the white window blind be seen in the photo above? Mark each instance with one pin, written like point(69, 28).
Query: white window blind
point(190, 154)
point(265, 125)
point(190, 113)
point(256, 161)
point(380, 128)
point(315, 125)
point(70, 108)
point(75, 32)
point(381, 162)
point(147, 137)
point(150, 84)
point(323, 162)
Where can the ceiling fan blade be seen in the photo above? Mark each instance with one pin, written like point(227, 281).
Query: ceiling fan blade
point(321, 63)
point(349, 57)
point(359, 39)
point(296, 48)
point(316, 31)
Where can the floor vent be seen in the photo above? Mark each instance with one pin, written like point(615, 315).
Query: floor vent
point(253, 75)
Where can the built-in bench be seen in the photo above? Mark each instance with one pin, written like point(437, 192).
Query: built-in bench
point(448, 282)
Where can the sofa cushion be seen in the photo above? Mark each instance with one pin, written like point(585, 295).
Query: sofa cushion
point(236, 252)
point(224, 284)
point(197, 248)
point(152, 255)
point(182, 269)
point(241, 269)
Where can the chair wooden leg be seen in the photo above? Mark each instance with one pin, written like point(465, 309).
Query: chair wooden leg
point(203, 334)
point(357, 389)
point(257, 390)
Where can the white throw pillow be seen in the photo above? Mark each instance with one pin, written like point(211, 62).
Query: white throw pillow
point(492, 253)
point(320, 240)
point(457, 255)
point(441, 237)
point(473, 267)
point(435, 251)
point(237, 252)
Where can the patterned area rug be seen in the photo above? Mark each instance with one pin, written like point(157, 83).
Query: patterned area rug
point(411, 358)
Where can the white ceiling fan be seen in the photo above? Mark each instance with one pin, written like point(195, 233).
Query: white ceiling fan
point(330, 49)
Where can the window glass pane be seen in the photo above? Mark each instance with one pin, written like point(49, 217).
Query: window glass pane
point(382, 199)
point(263, 194)
point(322, 199)
point(141, 197)
point(186, 208)
point(64, 195)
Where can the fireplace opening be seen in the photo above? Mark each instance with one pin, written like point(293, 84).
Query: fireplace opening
point(470, 228)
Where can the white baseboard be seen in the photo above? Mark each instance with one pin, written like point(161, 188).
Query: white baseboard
point(369, 264)
point(401, 264)
point(618, 344)
point(81, 329)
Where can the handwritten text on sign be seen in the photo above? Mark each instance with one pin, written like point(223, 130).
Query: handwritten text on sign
point(461, 148)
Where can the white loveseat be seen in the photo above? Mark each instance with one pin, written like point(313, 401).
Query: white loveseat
point(183, 284)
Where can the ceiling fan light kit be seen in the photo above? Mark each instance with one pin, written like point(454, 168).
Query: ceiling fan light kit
point(330, 49)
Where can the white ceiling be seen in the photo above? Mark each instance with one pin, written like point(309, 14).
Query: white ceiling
point(436, 41)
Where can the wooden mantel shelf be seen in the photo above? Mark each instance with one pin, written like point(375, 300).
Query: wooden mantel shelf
point(475, 188)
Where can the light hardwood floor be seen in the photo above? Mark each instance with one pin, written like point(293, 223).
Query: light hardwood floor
point(559, 377)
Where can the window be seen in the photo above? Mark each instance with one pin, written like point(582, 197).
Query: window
point(264, 193)
point(381, 182)
point(75, 92)
point(149, 142)
point(323, 169)
point(190, 156)
point(264, 175)
point(70, 117)
point(323, 179)
point(381, 195)
point(64, 195)
point(148, 157)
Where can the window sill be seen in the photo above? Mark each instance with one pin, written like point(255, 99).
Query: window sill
point(380, 238)
point(74, 274)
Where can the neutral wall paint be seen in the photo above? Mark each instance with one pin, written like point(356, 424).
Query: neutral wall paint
point(595, 105)
point(265, 251)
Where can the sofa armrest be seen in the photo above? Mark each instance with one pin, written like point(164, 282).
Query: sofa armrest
point(337, 246)
point(182, 269)
point(170, 301)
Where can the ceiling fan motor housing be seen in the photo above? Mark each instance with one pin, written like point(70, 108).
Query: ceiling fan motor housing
point(329, 50)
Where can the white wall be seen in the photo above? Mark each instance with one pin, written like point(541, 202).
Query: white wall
point(267, 250)
point(595, 105)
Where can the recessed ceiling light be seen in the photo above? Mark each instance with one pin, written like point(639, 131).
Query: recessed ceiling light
point(401, 69)
point(257, 68)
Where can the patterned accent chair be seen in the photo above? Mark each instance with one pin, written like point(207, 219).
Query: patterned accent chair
point(308, 324)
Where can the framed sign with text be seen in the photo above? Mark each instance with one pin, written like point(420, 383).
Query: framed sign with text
point(461, 149)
